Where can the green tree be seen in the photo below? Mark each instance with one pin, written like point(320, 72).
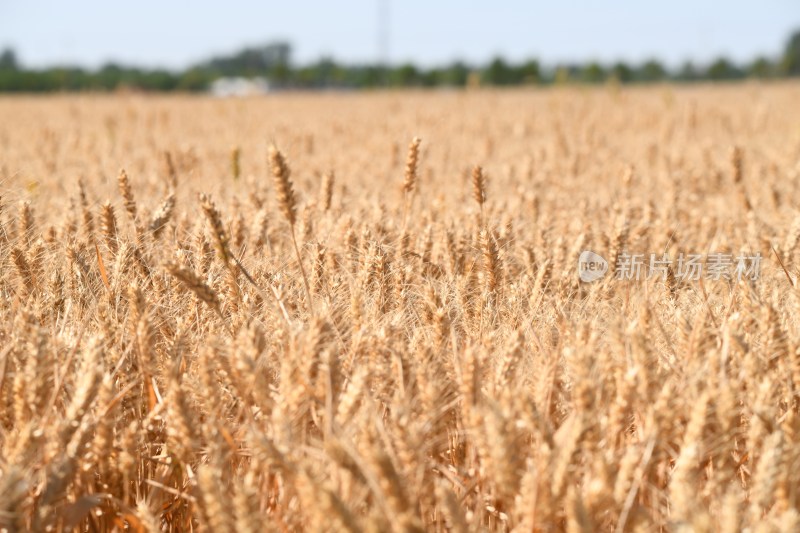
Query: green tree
point(722, 69)
point(530, 72)
point(279, 73)
point(109, 76)
point(652, 70)
point(498, 72)
point(8, 60)
point(194, 80)
point(761, 68)
point(688, 72)
point(252, 61)
point(323, 73)
point(593, 73)
point(369, 76)
point(432, 77)
point(404, 75)
point(790, 62)
point(158, 80)
point(456, 74)
point(622, 72)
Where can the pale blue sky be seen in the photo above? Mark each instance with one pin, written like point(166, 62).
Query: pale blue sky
point(174, 33)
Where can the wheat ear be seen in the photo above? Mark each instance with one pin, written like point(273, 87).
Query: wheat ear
point(286, 200)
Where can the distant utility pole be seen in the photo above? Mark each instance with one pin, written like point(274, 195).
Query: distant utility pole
point(383, 37)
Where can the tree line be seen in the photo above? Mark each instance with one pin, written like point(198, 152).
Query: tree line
point(273, 62)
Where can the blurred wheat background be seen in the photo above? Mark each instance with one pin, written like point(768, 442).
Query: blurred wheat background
point(362, 312)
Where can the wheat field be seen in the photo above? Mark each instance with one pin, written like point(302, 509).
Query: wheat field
point(362, 311)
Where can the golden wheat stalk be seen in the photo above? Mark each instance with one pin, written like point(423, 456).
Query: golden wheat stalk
point(286, 200)
point(283, 185)
point(236, 165)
